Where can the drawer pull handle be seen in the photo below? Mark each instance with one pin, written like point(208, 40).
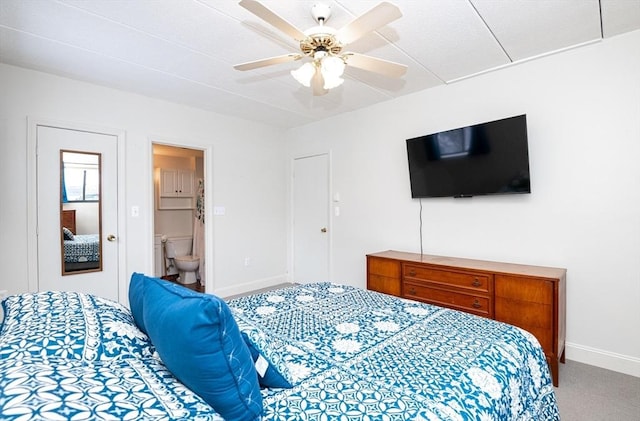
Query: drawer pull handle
point(412, 291)
point(412, 272)
point(476, 304)
point(476, 282)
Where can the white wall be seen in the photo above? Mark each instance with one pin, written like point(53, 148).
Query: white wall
point(583, 112)
point(248, 175)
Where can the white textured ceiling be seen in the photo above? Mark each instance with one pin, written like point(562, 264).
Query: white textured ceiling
point(183, 50)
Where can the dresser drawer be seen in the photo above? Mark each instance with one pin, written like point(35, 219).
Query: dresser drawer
point(476, 282)
point(533, 317)
point(529, 290)
point(384, 267)
point(470, 303)
point(527, 303)
point(383, 275)
point(384, 284)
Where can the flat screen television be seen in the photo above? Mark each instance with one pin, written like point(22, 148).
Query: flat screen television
point(483, 159)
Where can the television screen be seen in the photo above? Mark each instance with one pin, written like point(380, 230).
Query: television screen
point(487, 158)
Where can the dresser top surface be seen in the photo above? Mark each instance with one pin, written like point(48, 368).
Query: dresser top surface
point(484, 265)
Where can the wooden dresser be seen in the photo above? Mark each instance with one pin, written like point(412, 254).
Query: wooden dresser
point(530, 297)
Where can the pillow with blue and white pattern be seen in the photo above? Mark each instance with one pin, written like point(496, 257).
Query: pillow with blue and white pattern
point(69, 325)
point(68, 235)
point(279, 362)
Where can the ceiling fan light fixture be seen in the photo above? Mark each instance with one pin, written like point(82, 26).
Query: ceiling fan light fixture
point(304, 74)
point(333, 65)
point(332, 68)
point(331, 82)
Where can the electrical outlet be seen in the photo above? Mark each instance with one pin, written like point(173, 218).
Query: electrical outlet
point(247, 262)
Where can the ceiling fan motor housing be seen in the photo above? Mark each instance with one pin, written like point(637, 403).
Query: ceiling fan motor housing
point(321, 37)
point(321, 12)
point(320, 42)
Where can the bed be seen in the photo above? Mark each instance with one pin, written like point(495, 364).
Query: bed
point(318, 351)
point(81, 251)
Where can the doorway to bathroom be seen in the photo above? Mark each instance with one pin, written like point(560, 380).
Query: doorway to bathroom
point(179, 234)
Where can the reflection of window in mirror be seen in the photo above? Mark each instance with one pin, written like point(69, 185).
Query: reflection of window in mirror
point(81, 177)
point(80, 212)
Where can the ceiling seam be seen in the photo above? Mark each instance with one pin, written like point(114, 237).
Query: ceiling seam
point(526, 60)
point(601, 21)
point(267, 33)
point(395, 46)
point(490, 31)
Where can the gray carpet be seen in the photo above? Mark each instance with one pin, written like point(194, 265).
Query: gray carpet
point(589, 393)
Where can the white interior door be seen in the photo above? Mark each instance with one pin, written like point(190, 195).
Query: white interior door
point(311, 218)
point(50, 141)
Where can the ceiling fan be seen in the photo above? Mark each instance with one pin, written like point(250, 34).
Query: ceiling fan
point(324, 45)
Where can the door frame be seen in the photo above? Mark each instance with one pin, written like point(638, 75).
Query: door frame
point(32, 196)
point(291, 253)
point(207, 163)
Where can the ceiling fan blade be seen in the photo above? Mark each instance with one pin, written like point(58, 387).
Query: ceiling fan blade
point(317, 84)
point(373, 64)
point(250, 65)
point(270, 17)
point(375, 18)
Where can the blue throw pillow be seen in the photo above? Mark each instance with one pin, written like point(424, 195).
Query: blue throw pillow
point(199, 341)
point(136, 294)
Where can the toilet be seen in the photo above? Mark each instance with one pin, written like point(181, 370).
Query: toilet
point(179, 254)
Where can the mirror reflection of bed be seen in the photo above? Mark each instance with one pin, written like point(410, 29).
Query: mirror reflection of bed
point(81, 251)
point(80, 176)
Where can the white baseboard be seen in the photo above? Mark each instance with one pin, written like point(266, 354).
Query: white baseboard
point(603, 359)
point(250, 286)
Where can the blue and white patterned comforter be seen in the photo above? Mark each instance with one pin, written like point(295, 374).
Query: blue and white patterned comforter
point(389, 358)
point(83, 248)
point(351, 354)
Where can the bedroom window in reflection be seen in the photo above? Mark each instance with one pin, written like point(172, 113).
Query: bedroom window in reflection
point(81, 177)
